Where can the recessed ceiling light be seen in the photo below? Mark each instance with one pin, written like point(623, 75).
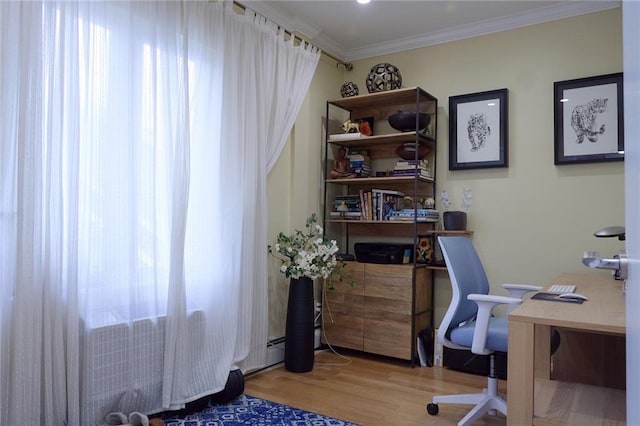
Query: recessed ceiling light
point(363, 1)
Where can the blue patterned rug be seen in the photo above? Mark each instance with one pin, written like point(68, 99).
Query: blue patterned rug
point(249, 410)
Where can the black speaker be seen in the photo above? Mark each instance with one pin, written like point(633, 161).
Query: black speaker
point(232, 389)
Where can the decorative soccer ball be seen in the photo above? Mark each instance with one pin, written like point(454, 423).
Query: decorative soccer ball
point(349, 89)
point(383, 77)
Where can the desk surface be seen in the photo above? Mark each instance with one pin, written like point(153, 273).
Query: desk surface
point(603, 312)
point(529, 359)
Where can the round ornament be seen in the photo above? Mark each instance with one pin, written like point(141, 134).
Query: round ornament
point(349, 89)
point(383, 77)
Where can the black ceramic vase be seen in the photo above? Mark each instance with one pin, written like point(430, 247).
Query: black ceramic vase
point(454, 221)
point(298, 348)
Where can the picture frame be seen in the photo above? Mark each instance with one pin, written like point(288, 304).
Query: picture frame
point(369, 121)
point(589, 119)
point(425, 249)
point(478, 130)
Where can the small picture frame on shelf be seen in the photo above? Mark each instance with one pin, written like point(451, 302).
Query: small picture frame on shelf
point(365, 124)
point(478, 130)
point(424, 249)
point(589, 120)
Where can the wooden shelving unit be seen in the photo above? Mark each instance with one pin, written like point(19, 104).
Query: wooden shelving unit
point(390, 303)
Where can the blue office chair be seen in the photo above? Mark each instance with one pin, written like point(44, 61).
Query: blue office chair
point(468, 323)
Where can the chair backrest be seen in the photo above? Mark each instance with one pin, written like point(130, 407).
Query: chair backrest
point(467, 276)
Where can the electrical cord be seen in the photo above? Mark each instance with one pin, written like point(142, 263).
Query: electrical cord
point(346, 359)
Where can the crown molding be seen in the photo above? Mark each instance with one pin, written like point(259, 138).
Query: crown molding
point(539, 16)
point(314, 34)
point(293, 24)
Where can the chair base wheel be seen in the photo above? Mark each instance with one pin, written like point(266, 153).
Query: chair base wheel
point(432, 409)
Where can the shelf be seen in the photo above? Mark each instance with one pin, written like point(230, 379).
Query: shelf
point(386, 139)
point(383, 146)
point(383, 222)
point(436, 268)
point(391, 99)
point(393, 180)
point(445, 232)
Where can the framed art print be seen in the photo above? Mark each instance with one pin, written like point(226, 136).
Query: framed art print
point(589, 120)
point(478, 130)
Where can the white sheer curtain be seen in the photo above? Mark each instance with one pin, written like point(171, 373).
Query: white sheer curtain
point(265, 87)
point(133, 164)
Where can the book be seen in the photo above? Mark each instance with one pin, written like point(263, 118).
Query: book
point(359, 164)
point(385, 201)
point(348, 204)
point(411, 164)
point(345, 136)
point(424, 176)
point(363, 206)
point(419, 215)
point(345, 215)
point(358, 157)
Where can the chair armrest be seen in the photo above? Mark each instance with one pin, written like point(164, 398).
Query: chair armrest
point(519, 290)
point(486, 303)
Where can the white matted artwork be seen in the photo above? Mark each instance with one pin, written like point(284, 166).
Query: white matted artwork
point(478, 130)
point(588, 117)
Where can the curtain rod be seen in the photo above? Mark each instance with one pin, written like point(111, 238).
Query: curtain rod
point(347, 65)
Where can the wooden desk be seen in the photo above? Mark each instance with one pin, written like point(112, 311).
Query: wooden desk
point(529, 360)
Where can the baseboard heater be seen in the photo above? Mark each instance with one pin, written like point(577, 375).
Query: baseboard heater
point(116, 378)
point(275, 348)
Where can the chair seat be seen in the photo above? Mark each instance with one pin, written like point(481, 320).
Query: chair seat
point(497, 336)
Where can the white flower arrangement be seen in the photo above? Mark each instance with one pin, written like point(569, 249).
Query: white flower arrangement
point(307, 254)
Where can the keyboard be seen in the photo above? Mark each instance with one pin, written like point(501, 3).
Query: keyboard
point(562, 288)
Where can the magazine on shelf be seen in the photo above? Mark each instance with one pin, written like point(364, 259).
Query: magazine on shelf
point(419, 215)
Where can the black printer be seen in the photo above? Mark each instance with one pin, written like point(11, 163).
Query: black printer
point(383, 253)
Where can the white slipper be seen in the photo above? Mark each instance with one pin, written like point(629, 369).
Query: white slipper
point(138, 419)
point(116, 418)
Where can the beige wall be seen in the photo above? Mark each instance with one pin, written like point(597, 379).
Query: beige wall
point(531, 220)
point(295, 185)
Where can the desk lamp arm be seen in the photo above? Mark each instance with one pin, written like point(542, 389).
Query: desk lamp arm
point(618, 264)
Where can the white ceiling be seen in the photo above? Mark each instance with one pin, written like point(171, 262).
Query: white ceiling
point(351, 31)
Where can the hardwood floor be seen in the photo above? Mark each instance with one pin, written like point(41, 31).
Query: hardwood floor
point(370, 390)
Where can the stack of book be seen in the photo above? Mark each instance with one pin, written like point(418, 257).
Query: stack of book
point(346, 136)
point(419, 215)
point(346, 207)
point(418, 168)
point(359, 164)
